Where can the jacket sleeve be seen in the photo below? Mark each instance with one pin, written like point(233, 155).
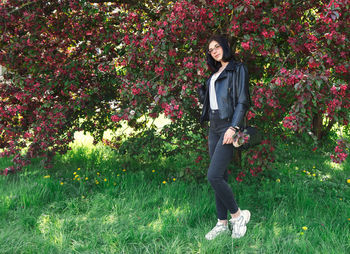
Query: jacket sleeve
point(242, 95)
point(201, 92)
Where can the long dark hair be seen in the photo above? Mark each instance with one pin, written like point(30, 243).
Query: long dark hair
point(227, 52)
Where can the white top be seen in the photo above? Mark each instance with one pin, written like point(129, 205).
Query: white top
point(212, 94)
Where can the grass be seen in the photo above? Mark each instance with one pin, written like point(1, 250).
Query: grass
point(301, 206)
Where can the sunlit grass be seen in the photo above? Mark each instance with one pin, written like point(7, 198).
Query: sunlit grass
point(301, 206)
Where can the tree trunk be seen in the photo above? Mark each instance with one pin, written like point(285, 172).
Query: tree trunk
point(317, 125)
point(237, 158)
point(318, 129)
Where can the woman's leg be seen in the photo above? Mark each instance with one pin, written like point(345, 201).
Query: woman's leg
point(212, 142)
point(221, 156)
point(221, 209)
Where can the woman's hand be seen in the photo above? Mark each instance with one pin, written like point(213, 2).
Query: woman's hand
point(228, 137)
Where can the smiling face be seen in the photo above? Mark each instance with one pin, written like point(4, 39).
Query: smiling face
point(216, 51)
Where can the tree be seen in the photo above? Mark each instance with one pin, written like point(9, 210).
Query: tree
point(87, 65)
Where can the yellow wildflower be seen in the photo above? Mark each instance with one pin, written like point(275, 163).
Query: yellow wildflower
point(304, 228)
point(105, 180)
point(61, 183)
point(74, 173)
point(348, 181)
point(118, 175)
point(78, 169)
point(164, 182)
point(278, 180)
point(174, 179)
point(124, 170)
point(98, 173)
point(86, 178)
point(97, 182)
point(48, 176)
point(153, 171)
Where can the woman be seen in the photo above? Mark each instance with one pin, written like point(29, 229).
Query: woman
point(225, 99)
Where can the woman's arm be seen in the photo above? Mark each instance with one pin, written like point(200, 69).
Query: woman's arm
point(242, 92)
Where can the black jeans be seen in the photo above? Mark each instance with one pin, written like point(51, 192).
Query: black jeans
point(220, 157)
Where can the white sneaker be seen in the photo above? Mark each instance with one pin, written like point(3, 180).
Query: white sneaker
point(239, 224)
point(220, 228)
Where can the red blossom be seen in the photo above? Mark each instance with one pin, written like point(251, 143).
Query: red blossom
point(129, 60)
point(245, 45)
point(198, 159)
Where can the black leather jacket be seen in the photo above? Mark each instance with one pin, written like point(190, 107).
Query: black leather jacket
point(232, 94)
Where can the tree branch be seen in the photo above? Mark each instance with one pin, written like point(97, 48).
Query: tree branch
point(18, 8)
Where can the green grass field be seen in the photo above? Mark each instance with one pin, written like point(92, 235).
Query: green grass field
point(89, 203)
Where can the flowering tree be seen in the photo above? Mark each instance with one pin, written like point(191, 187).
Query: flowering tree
point(87, 65)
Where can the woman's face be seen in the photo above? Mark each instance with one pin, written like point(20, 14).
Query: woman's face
point(216, 51)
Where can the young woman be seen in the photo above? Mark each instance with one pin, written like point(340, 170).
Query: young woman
point(225, 99)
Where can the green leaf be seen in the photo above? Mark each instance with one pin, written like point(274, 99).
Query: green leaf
point(239, 8)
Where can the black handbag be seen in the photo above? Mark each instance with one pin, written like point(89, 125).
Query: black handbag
point(247, 137)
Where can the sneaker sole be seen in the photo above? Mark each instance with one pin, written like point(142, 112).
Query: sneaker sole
point(222, 233)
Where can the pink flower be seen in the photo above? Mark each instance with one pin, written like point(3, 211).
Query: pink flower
point(126, 39)
point(334, 90)
point(5, 171)
point(179, 114)
point(340, 69)
point(159, 70)
point(172, 52)
point(100, 68)
point(245, 45)
point(199, 158)
point(160, 33)
point(189, 65)
point(250, 115)
point(313, 64)
point(27, 135)
point(161, 90)
point(115, 118)
point(136, 91)
point(265, 34)
point(266, 21)
point(240, 176)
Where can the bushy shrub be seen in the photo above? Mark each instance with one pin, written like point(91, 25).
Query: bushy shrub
point(79, 65)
